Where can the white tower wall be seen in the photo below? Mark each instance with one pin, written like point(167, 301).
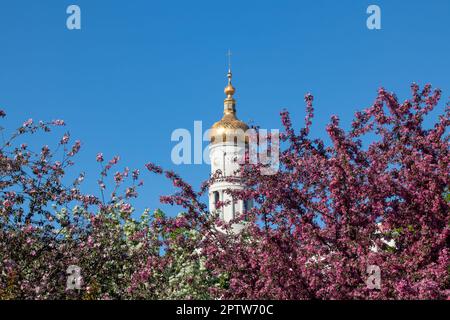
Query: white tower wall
point(225, 159)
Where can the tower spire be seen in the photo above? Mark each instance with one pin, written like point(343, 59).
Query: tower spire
point(229, 103)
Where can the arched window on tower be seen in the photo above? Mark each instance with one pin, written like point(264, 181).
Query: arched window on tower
point(233, 209)
point(216, 198)
point(247, 205)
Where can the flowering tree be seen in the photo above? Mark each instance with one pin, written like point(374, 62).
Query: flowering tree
point(47, 226)
point(328, 214)
point(331, 212)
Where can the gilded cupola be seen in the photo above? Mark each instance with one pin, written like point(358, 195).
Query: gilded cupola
point(229, 128)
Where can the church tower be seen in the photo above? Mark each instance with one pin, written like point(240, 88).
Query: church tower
point(227, 148)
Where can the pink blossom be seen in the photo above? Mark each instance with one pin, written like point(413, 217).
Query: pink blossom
point(27, 123)
point(58, 122)
point(99, 157)
point(65, 139)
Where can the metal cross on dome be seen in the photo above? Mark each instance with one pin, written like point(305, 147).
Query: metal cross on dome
point(229, 54)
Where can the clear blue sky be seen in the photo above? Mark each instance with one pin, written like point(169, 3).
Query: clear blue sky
point(140, 69)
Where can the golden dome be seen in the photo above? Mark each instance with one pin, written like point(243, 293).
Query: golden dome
point(229, 90)
point(229, 128)
point(229, 121)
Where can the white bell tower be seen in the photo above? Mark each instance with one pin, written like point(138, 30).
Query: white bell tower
point(228, 143)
